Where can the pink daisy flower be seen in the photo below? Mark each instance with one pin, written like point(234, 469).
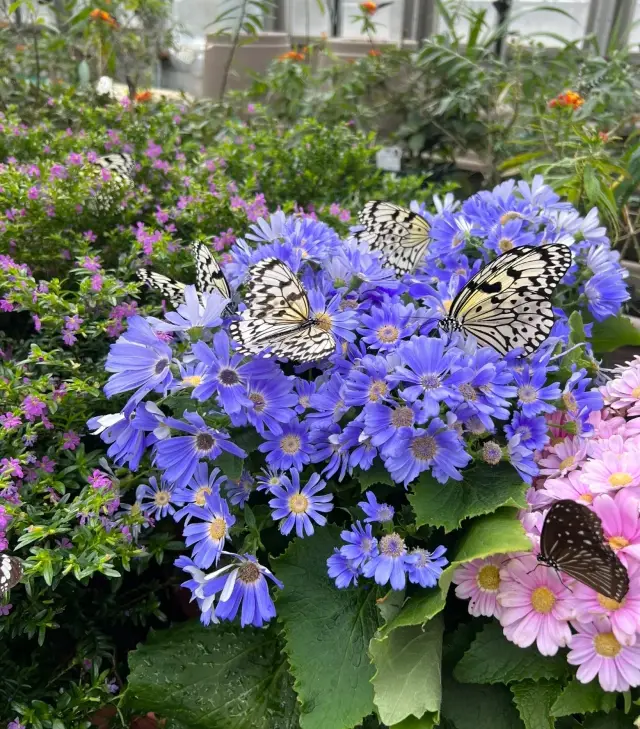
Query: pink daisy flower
point(620, 523)
point(572, 486)
point(612, 471)
point(597, 652)
point(615, 443)
point(605, 424)
point(624, 392)
point(479, 581)
point(563, 457)
point(532, 522)
point(536, 606)
point(624, 616)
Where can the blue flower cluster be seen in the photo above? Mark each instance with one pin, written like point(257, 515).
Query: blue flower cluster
point(397, 393)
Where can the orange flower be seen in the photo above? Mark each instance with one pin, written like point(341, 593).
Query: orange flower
point(103, 15)
point(20, 48)
point(567, 99)
point(291, 56)
point(369, 7)
point(374, 52)
point(604, 136)
point(143, 96)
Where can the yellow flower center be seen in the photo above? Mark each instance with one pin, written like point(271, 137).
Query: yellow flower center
point(290, 444)
point(446, 305)
point(324, 321)
point(608, 604)
point(570, 402)
point(587, 498)
point(387, 334)
point(543, 600)
point(488, 578)
point(619, 479)
point(298, 503)
point(505, 244)
point(569, 461)
point(304, 401)
point(504, 219)
point(162, 498)
point(192, 380)
point(618, 543)
point(377, 390)
point(607, 645)
point(636, 393)
point(218, 528)
point(201, 495)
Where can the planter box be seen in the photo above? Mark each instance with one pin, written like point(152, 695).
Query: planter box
point(255, 57)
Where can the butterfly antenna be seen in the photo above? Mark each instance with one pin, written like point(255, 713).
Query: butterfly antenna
point(571, 349)
point(561, 582)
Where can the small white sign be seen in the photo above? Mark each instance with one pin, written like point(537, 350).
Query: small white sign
point(389, 159)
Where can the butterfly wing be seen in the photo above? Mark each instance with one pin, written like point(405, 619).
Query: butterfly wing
point(172, 290)
point(401, 236)
point(118, 163)
point(10, 573)
point(572, 540)
point(209, 276)
point(277, 317)
point(507, 303)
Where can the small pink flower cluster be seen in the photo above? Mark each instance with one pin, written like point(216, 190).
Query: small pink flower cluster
point(533, 603)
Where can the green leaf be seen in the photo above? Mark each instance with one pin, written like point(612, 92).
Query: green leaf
point(618, 720)
point(376, 474)
point(533, 699)
point(407, 679)
point(479, 707)
point(230, 465)
point(327, 633)
point(483, 490)
point(614, 332)
point(576, 329)
point(496, 533)
point(583, 698)
point(428, 721)
point(222, 677)
point(493, 659)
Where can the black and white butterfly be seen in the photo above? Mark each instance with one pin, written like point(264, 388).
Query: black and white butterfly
point(278, 317)
point(573, 542)
point(10, 573)
point(209, 279)
point(400, 235)
point(507, 304)
point(120, 166)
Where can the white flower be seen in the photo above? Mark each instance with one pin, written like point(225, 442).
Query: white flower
point(104, 86)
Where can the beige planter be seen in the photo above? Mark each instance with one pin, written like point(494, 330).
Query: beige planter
point(255, 57)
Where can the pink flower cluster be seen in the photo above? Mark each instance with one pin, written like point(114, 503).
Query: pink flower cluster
point(533, 603)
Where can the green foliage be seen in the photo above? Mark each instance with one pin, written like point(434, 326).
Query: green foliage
point(221, 677)
point(533, 699)
point(581, 698)
point(333, 679)
point(614, 332)
point(479, 707)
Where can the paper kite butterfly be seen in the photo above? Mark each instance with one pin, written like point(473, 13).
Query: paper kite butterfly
point(120, 167)
point(10, 573)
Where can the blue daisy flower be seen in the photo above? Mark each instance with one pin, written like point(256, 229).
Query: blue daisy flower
point(342, 570)
point(374, 511)
point(390, 563)
point(384, 424)
point(238, 492)
point(160, 499)
point(202, 484)
point(298, 508)
point(289, 449)
point(532, 431)
point(387, 325)
point(361, 544)
point(534, 396)
point(208, 535)
point(367, 383)
point(425, 567)
point(272, 402)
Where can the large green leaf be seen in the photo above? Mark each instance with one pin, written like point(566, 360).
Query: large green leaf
point(614, 332)
point(583, 698)
point(327, 633)
point(407, 680)
point(221, 677)
point(479, 707)
point(428, 721)
point(494, 659)
point(533, 700)
point(496, 533)
point(616, 720)
point(483, 490)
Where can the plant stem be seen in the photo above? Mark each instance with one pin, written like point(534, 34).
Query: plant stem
point(37, 55)
point(232, 52)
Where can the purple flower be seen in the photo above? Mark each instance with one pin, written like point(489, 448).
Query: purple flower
point(426, 567)
point(299, 507)
point(329, 403)
point(521, 458)
point(532, 431)
point(367, 383)
point(239, 491)
point(374, 511)
point(386, 325)
point(201, 485)
point(118, 429)
point(361, 544)
point(271, 403)
point(209, 534)
point(289, 449)
point(386, 425)
point(70, 441)
point(178, 456)
point(606, 292)
point(342, 570)
point(391, 562)
point(534, 397)
point(161, 499)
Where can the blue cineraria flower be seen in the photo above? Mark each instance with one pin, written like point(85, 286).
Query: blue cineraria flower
point(236, 269)
point(430, 373)
point(437, 448)
point(534, 396)
point(304, 390)
point(191, 375)
point(268, 231)
point(150, 419)
point(532, 431)
point(127, 443)
point(327, 448)
point(342, 570)
point(510, 235)
point(210, 533)
point(576, 397)
point(268, 479)
point(361, 544)
point(283, 251)
point(369, 267)
point(201, 485)
point(192, 314)
point(367, 382)
point(242, 586)
point(361, 453)
point(298, 507)
point(521, 458)
point(340, 323)
point(426, 567)
point(449, 232)
point(601, 259)
point(540, 195)
point(449, 203)
point(391, 562)
point(289, 449)
point(328, 402)
point(605, 292)
point(314, 239)
point(387, 324)
point(140, 361)
point(374, 511)
point(386, 424)
point(178, 456)
point(161, 499)
point(238, 492)
point(225, 375)
point(196, 582)
point(272, 401)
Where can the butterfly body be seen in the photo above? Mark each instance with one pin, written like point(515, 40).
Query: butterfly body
point(209, 279)
point(572, 541)
point(278, 319)
point(10, 573)
point(399, 234)
point(120, 167)
point(507, 304)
